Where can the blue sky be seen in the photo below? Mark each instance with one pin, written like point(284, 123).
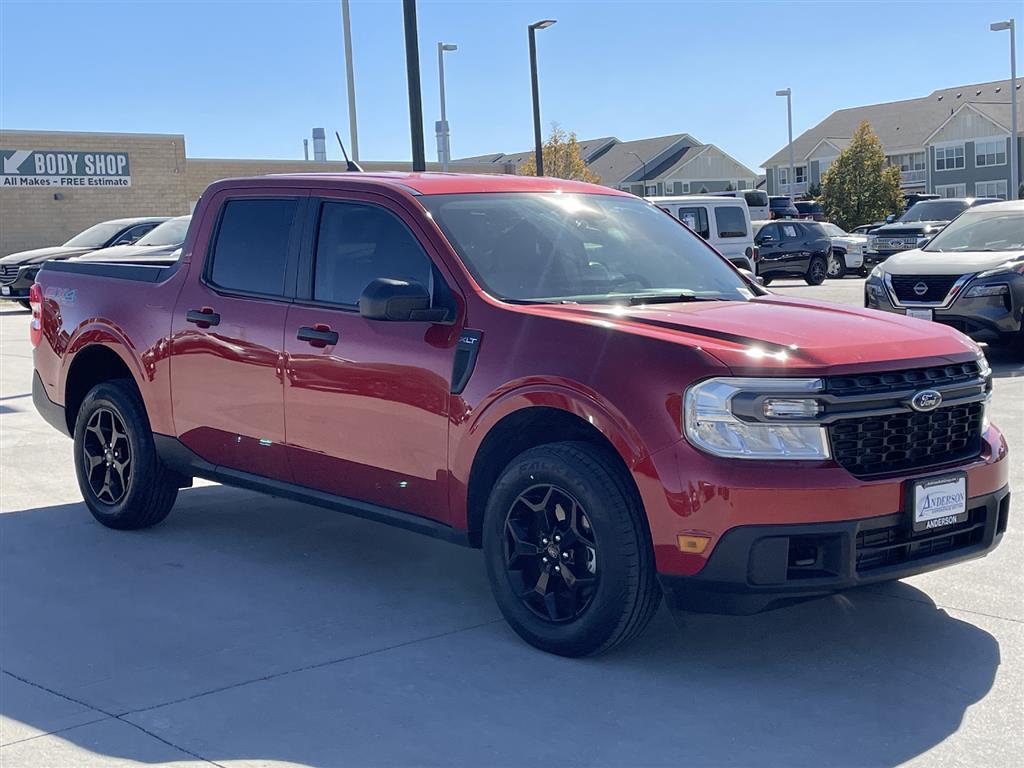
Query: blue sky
point(243, 79)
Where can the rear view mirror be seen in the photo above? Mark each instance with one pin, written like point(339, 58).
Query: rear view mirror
point(398, 300)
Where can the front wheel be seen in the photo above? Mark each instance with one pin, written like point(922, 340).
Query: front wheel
point(816, 272)
point(568, 554)
point(836, 265)
point(122, 479)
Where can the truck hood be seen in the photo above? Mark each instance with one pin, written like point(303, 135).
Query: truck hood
point(131, 253)
point(39, 255)
point(918, 262)
point(779, 335)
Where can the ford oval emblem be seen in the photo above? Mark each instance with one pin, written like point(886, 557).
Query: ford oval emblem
point(926, 400)
point(920, 288)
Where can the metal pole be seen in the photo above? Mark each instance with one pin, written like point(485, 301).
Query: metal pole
point(442, 153)
point(789, 117)
point(1014, 159)
point(305, 149)
point(350, 76)
point(538, 144)
point(412, 65)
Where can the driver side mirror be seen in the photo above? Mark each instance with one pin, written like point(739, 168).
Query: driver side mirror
point(890, 218)
point(386, 298)
point(923, 243)
point(765, 239)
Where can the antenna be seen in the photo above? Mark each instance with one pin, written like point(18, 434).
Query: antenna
point(350, 165)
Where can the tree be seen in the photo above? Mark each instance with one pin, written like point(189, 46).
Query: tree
point(814, 191)
point(562, 159)
point(858, 187)
point(728, 187)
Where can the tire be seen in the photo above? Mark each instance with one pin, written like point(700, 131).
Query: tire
point(122, 479)
point(817, 270)
point(836, 265)
point(601, 540)
point(766, 281)
point(25, 303)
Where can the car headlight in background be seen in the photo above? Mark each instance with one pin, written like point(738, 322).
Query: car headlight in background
point(710, 424)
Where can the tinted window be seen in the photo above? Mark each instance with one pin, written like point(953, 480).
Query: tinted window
point(96, 235)
point(781, 202)
point(935, 210)
point(731, 222)
point(134, 234)
point(756, 198)
point(696, 219)
point(169, 233)
point(358, 243)
point(251, 251)
point(789, 231)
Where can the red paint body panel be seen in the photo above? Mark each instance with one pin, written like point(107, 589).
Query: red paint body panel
point(364, 416)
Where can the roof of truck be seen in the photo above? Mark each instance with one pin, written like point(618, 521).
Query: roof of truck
point(450, 183)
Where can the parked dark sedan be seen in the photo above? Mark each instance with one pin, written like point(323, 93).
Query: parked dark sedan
point(780, 207)
point(161, 245)
point(18, 270)
point(797, 248)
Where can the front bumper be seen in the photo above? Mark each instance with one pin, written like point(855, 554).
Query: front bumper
point(757, 567)
point(18, 288)
point(983, 318)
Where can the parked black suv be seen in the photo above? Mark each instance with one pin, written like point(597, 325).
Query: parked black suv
point(924, 220)
point(797, 248)
point(781, 207)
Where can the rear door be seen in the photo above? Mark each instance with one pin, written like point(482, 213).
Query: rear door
point(696, 218)
point(731, 231)
point(367, 409)
point(227, 378)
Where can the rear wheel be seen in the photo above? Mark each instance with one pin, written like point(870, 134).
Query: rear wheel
point(816, 271)
point(568, 554)
point(836, 265)
point(25, 303)
point(122, 480)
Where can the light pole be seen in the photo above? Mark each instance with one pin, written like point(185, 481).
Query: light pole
point(999, 26)
point(643, 181)
point(788, 93)
point(538, 144)
point(444, 149)
point(412, 71)
point(350, 78)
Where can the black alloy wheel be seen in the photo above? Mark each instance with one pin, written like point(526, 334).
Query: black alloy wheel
point(107, 456)
point(551, 553)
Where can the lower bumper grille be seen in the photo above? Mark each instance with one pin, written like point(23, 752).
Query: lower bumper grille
point(893, 545)
point(898, 442)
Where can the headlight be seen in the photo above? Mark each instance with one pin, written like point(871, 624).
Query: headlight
point(1007, 268)
point(711, 425)
point(978, 291)
point(876, 273)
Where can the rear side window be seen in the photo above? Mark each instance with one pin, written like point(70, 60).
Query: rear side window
point(696, 219)
point(789, 231)
point(251, 251)
point(358, 243)
point(730, 221)
point(756, 197)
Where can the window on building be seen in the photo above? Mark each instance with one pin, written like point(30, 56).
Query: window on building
point(949, 158)
point(741, 184)
point(801, 174)
point(990, 189)
point(908, 161)
point(988, 153)
point(358, 243)
point(677, 187)
point(696, 218)
point(951, 190)
point(783, 174)
point(652, 189)
point(730, 221)
point(251, 250)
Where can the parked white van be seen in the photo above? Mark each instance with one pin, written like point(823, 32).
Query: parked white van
point(723, 221)
point(757, 202)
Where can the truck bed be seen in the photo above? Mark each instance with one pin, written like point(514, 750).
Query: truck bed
point(138, 272)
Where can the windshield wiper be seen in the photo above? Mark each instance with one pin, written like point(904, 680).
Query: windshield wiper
point(669, 299)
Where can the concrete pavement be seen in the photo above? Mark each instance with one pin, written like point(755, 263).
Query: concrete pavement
point(247, 630)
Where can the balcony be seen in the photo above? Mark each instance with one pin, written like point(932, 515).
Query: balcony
point(913, 178)
point(793, 190)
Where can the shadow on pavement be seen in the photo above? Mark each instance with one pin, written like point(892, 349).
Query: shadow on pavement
point(246, 627)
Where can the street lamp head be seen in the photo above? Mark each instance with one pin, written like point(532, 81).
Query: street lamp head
point(449, 47)
point(785, 92)
point(544, 24)
point(999, 26)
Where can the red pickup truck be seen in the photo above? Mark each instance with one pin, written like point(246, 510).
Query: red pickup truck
point(556, 372)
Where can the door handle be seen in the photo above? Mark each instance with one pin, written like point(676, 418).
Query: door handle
point(204, 317)
point(319, 335)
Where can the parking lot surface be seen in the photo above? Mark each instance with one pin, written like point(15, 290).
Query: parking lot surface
point(248, 630)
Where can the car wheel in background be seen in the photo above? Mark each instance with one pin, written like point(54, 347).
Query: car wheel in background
point(567, 550)
point(122, 479)
point(836, 265)
point(817, 271)
point(25, 303)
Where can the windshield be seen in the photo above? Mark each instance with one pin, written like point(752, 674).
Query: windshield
point(756, 198)
point(169, 233)
point(833, 230)
point(934, 210)
point(981, 230)
point(781, 202)
point(552, 247)
point(96, 235)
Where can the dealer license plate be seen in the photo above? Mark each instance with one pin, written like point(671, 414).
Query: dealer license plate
point(939, 502)
point(6, 290)
point(920, 314)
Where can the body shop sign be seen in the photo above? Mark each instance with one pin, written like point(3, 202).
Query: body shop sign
point(45, 168)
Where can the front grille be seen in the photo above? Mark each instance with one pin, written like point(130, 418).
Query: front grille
point(898, 381)
point(887, 244)
point(875, 445)
point(9, 272)
point(895, 544)
point(933, 288)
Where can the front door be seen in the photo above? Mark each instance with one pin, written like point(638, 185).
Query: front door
point(227, 334)
point(366, 401)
